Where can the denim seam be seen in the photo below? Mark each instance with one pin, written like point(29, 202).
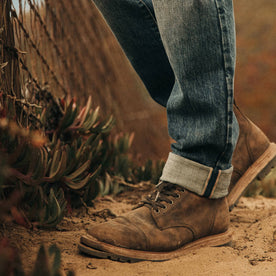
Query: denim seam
point(228, 78)
point(148, 9)
point(225, 51)
point(207, 181)
point(215, 185)
point(149, 15)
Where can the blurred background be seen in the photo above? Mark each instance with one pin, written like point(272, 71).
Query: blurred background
point(255, 82)
point(73, 51)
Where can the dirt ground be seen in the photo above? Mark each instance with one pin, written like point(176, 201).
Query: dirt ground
point(252, 252)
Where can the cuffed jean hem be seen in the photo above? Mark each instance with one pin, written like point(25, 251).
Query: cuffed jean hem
point(195, 177)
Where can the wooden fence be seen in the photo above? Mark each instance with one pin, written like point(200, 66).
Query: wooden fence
point(66, 48)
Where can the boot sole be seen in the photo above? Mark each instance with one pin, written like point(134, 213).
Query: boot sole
point(258, 170)
point(91, 246)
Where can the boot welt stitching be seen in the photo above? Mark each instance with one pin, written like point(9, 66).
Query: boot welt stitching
point(141, 254)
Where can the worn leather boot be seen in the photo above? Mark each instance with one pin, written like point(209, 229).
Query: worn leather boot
point(253, 158)
point(167, 224)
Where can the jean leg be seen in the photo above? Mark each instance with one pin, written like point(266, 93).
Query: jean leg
point(134, 24)
point(199, 39)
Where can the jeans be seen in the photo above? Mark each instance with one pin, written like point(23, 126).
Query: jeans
point(184, 52)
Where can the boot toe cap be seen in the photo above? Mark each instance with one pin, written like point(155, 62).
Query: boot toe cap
point(119, 232)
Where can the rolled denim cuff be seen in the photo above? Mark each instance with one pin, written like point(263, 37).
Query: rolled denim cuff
point(196, 177)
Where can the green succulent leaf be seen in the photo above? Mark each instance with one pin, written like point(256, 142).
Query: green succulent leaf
point(42, 266)
point(79, 171)
point(53, 210)
point(57, 172)
point(55, 252)
point(77, 185)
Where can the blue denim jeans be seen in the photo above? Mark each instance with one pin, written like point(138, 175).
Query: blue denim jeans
point(184, 52)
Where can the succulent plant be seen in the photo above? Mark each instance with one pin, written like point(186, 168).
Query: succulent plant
point(70, 157)
point(48, 261)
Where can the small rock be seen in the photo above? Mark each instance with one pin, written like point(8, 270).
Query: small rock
point(253, 262)
point(91, 266)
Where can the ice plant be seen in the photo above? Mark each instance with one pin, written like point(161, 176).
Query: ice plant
point(70, 156)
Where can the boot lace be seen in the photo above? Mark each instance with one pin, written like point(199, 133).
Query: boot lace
point(164, 192)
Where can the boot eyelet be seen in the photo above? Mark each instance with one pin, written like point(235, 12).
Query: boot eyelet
point(178, 196)
point(165, 207)
point(157, 211)
point(171, 202)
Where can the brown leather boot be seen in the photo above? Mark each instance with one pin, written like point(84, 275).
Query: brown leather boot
point(253, 158)
point(168, 224)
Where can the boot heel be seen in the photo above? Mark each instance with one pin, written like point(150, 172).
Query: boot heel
point(271, 165)
point(258, 170)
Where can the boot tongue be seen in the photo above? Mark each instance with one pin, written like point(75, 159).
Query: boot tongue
point(162, 193)
point(161, 188)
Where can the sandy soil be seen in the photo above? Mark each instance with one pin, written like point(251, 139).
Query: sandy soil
point(253, 250)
